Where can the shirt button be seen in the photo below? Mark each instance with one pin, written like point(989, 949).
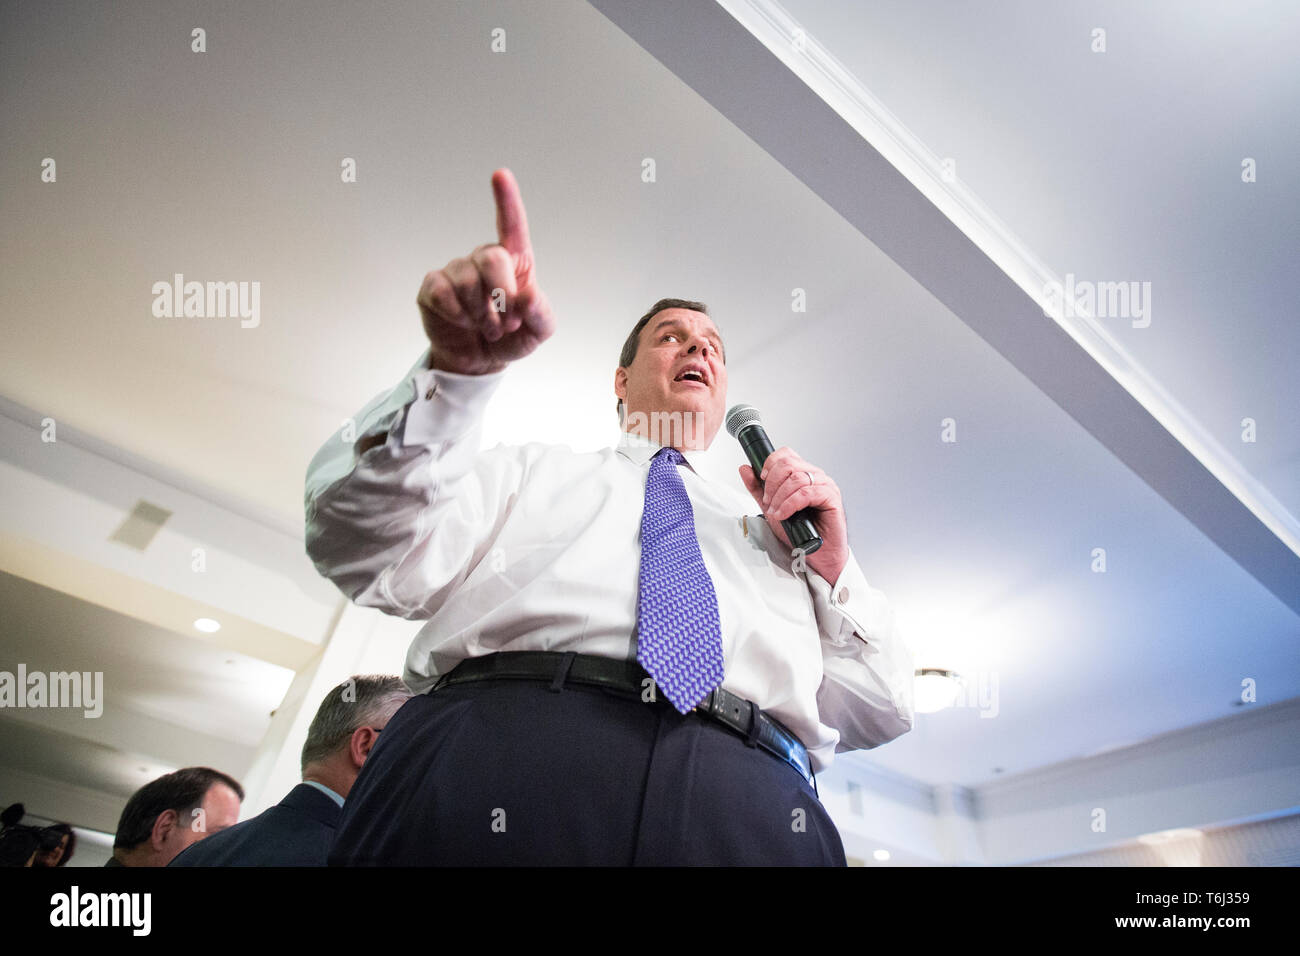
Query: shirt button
point(843, 596)
point(429, 394)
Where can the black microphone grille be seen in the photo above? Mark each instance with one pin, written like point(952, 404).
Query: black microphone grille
point(741, 416)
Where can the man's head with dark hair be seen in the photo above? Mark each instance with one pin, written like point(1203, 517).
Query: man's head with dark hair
point(168, 814)
point(59, 843)
point(347, 726)
point(656, 399)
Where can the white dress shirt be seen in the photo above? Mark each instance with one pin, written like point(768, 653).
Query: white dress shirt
point(536, 547)
point(325, 790)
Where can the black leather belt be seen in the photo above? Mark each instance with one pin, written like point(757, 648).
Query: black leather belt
point(736, 713)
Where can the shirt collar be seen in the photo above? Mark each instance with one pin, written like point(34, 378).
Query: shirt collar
point(639, 450)
point(325, 790)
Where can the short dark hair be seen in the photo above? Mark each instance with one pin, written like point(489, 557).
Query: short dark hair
point(628, 355)
point(182, 791)
point(357, 702)
point(64, 828)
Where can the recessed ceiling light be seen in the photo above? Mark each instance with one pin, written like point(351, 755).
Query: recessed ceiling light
point(207, 625)
point(881, 855)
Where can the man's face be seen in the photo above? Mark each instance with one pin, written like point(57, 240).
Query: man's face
point(671, 343)
point(220, 810)
point(52, 857)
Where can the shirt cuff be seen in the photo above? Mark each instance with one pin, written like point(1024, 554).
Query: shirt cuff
point(850, 601)
point(445, 405)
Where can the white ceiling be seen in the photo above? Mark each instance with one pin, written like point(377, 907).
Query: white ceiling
point(1126, 165)
point(225, 166)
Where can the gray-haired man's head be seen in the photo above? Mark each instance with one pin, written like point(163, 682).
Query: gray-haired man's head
point(347, 726)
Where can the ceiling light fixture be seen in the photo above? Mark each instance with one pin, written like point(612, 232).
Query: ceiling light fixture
point(1168, 836)
point(207, 625)
point(936, 688)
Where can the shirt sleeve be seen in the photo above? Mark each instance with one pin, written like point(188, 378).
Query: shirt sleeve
point(867, 666)
point(401, 504)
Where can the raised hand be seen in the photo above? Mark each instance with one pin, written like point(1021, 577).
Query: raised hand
point(485, 310)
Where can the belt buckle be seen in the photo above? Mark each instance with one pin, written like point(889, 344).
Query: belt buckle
point(706, 705)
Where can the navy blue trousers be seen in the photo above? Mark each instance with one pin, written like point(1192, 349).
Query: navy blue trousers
point(512, 773)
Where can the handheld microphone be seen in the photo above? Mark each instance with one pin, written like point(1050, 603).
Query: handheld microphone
point(743, 424)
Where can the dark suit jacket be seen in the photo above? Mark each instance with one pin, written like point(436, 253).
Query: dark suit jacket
point(297, 831)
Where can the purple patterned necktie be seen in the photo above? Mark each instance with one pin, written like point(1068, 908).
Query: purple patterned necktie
point(679, 640)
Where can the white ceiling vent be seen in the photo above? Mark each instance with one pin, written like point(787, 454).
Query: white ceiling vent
point(140, 525)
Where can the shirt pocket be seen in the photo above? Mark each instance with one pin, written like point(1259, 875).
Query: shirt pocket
point(761, 549)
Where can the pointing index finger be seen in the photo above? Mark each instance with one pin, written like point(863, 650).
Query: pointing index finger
point(512, 221)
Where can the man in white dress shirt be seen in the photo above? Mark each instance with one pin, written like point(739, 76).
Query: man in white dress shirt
point(543, 730)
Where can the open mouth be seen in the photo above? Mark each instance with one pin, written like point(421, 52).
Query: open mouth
point(691, 376)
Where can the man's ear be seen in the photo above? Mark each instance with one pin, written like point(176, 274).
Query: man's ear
point(363, 741)
point(620, 383)
point(163, 824)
